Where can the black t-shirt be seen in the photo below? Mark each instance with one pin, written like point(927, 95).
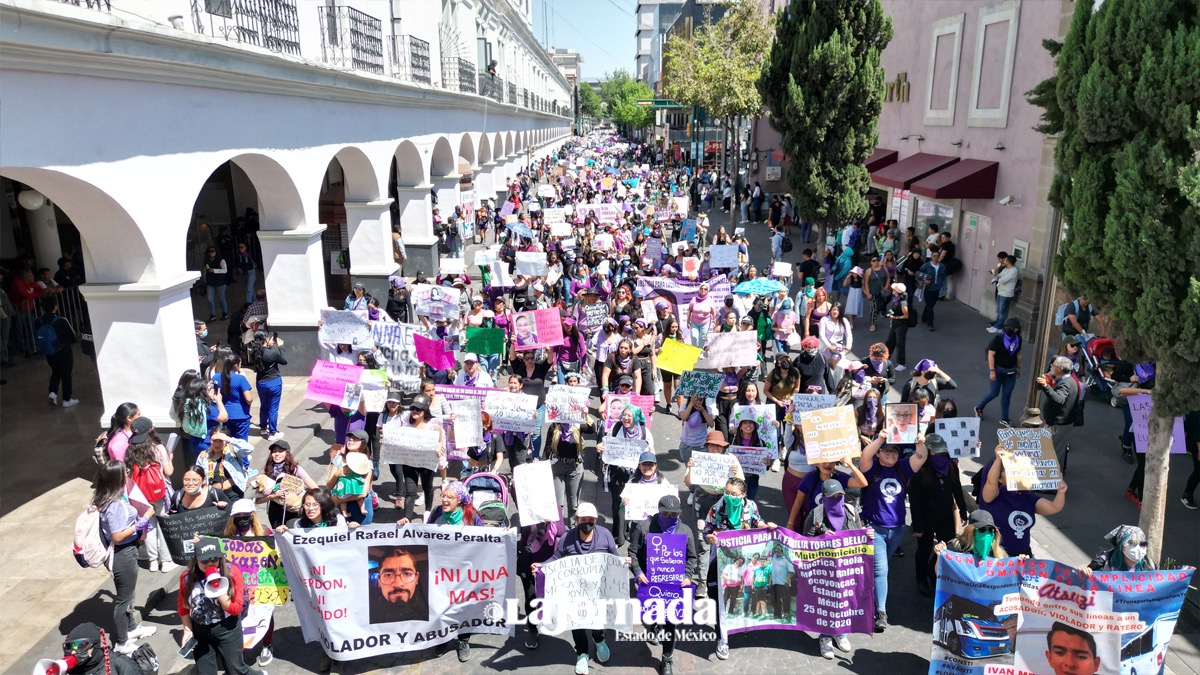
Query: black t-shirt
point(1003, 358)
point(809, 269)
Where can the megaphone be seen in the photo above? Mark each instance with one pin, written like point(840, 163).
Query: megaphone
point(55, 666)
point(215, 585)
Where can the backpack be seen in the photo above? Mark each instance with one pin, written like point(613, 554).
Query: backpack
point(146, 659)
point(195, 419)
point(47, 339)
point(150, 480)
point(89, 547)
point(1060, 315)
point(786, 245)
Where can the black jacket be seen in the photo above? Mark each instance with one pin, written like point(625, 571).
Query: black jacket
point(637, 546)
point(1058, 401)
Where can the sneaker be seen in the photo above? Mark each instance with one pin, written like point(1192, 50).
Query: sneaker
point(775, 466)
point(1189, 502)
point(168, 567)
point(141, 631)
point(1005, 422)
point(53, 398)
point(464, 651)
point(827, 648)
point(581, 667)
point(277, 436)
point(722, 649)
point(842, 643)
point(993, 329)
point(880, 621)
point(1127, 455)
point(602, 652)
point(70, 403)
point(265, 657)
point(126, 648)
point(666, 669)
point(211, 318)
point(420, 500)
point(153, 565)
point(531, 639)
point(900, 368)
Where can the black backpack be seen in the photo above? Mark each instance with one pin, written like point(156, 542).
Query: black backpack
point(786, 245)
point(146, 659)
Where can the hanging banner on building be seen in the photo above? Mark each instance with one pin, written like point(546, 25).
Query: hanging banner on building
point(179, 529)
point(335, 384)
point(345, 328)
point(539, 328)
point(512, 412)
point(1026, 617)
point(830, 434)
point(394, 342)
point(1029, 459)
point(402, 444)
point(567, 404)
point(699, 383)
point(421, 585)
point(1140, 406)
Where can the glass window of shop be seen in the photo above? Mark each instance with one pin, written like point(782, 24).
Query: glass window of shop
point(933, 213)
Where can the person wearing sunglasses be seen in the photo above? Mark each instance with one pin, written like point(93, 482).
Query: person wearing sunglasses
point(90, 648)
point(1126, 552)
point(211, 598)
point(979, 537)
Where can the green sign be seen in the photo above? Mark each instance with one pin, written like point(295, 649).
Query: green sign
point(657, 103)
point(485, 340)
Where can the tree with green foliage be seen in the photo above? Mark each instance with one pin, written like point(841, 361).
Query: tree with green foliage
point(1125, 106)
point(589, 100)
point(621, 92)
point(823, 87)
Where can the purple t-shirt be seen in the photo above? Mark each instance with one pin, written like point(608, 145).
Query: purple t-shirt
point(1015, 512)
point(884, 497)
point(694, 431)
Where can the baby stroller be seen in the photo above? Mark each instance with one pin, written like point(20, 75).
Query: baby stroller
point(1100, 355)
point(490, 496)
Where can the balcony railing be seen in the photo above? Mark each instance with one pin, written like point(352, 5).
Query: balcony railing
point(350, 38)
point(458, 74)
point(512, 93)
point(102, 5)
point(274, 24)
point(491, 87)
point(410, 59)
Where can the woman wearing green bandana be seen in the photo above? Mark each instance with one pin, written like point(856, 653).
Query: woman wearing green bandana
point(979, 538)
point(734, 511)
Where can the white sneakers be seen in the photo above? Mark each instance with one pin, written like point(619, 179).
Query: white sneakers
point(70, 402)
point(141, 631)
point(53, 398)
point(993, 329)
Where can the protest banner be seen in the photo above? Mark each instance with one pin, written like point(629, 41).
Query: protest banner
point(434, 353)
point(455, 392)
point(383, 589)
point(467, 201)
point(689, 229)
point(408, 445)
point(781, 270)
point(487, 256)
point(805, 402)
point(643, 499)
point(512, 412)
point(180, 528)
point(714, 470)
point(961, 435)
point(345, 328)
point(468, 423)
point(569, 584)
point(484, 340)
point(679, 292)
point(902, 422)
point(533, 487)
point(452, 266)
point(654, 247)
point(736, 349)
point(835, 582)
point(436, 302)
point(394, 342)
point(1029, 459)
point(374, 389)
point(532, 263)
point(613, 405)
point(335, 384)
point(261, 567)
point(699, 383)
point(723, 256)
point(1026, 616)
point(830, 434)
point(756, 461)
point(567, 404)
point(1140, 406)
point(594, 314)
point(666, 568)
point(763, 415)
point(538, 328)
point(621, 451)
point(677, 357)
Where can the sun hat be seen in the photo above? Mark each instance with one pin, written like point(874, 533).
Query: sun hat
point(899, 288)
point(358, 463)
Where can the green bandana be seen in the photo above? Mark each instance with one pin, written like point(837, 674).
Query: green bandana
point(983, 544)
point(733, 509)
point(453, 517)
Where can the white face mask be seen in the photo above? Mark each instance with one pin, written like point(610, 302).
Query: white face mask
point(1134, 550)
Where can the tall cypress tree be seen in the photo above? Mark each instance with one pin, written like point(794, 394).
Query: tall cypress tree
point(1126, 105)
point(823, 87)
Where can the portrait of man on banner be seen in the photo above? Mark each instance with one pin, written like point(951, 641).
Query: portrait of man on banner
point(398, 583)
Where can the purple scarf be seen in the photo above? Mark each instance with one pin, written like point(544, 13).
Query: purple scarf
point(835, 512)
point(940, 464)
point(1012, 343)
point(872, 411)
point(668, 524)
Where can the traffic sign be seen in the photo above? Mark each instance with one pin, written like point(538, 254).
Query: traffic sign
point(657, 103)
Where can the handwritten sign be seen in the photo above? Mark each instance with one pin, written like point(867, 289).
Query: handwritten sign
point(409, 446)
point(666, 568)
point(805, 402)
point(533, 485)
point(567, 404)
point(374, 389)
point(643, 498)
point(468, 423)
point(335, 383)
point(830, 434)
point(592, 577)
point(1140, 406)
point(594, 314)
point(621, 451)
point(395, 344)
point(539, 328)
point(961, 435)
point(723, 256)
point(781, 269)
point(512, 412)
point(677, 357)
point(262, 568)
point(736, 349)
point(345, 327)
point(714, 469)
point(1030, 462)
point(532, 263)
point(179, 529)
point(699, 383)
point(434, 353)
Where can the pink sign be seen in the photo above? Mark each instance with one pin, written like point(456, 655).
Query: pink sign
point(540, 328)
point(433, 353)
point(333, 383)
point(507, 209)
point(615, 404)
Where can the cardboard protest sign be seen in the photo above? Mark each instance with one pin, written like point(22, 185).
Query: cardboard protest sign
point(643, 499)
point(261, 567)
point(903, 423)
point(1029, 459)
point(699, 383)
point(180, 528)
point(468, 202)
point(736, 349)
point(484, 340)
point(654, 248)
point(1140, 406)
point(666, 568)
point(567, 582)
point(1019, 607)
point(434, 353)
point(436, 302)
point(335, 383)
point(345, 327)
point(394, 342)
point(805, 402)
point(961, 435)
point(538, 328)
point(374, 389)
point(756, 461)
point(621, 451)
point(402, 444)
point(532, 263)
point(613, 404)
point(452, 266)
point(714, 470)
point(763, 415)
point(512, 412)
point(567, 404)
point(781, 269)
point(830, 434)
point(533, 486)
point(723, 256)
point(594, 314)
point(468, 423)
point(352, 596)
point(677, 357)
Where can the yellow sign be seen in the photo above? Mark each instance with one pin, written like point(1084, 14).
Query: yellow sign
point(677, 357)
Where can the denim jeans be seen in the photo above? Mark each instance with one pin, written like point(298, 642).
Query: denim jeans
point(219, 292)
point(699, 334)
point(269, 394)
point(250, 276)
point(1002, 386)
point(887, 540)
point(1002, 304)
point(490, 362)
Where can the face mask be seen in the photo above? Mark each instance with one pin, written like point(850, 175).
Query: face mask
point(203, 333)
point(195, 491)
point(586, 528)
point(1134, 550)
point(243, 522)
point(983, 544)
point(667, 523)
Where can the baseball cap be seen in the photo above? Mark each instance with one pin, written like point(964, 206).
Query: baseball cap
point(360, 287)
point(420, 402)
point(832, 487)
point(586, 510)
point(936, 445)
point(360, 434)
point(669, 503)
point(647, 456)
point(208, 548)
point(469, 356)
point(140, 428)
point(899, 288)
point(539, 287)
point(625, 379)
point(980, 518)
point(282, 445)
point(241, 506)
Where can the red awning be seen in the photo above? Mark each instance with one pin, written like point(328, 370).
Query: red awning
point(909, 170)
point(968, 179)
point(880, 158)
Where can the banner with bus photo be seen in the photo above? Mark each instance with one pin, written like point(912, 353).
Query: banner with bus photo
point(1030, 617)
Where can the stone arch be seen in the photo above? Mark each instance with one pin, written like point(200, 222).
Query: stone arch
point(498, 146)
point(509, 148)
point(443, 161)
point(114, 249)
point(410, 169)
point(485, 150)
point(466, 149)
point(362, 182)
point(279, 199)
point(522, 141)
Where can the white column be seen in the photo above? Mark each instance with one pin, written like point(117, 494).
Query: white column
point(416, 228)
point(447, 191)
point(294, 276)
point(499, 176)
point(369, 227)
point(144, 336)
point(483, 180)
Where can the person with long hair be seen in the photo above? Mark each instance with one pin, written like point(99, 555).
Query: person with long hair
point(243, 522)
point(419, 417)
point(237, 394)
point(746, 434)
point(121, 526)
point(645, 358)
point(670, 381)
point(1016, 511)
point(215, 622)
point(869, 415)
point(116, 439)
point(818, 308)
point(267, 354)
point(317, 510)
point(876, 283)
point(197, 406)
point(148, 457)
point(570, 356)
point(280, 463)
point(808, 490)
point(227, 463)
point(350, 486)
point(196, 493)
point(1126, 552)
point(979, 537)
point(836, 334)
point(620, 363)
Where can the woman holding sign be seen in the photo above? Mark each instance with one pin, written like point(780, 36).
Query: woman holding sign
point(809, 494)
point(210, 614)
point(632, 426)
point(281, 463)
point(1016, 511)
point(419, 418)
